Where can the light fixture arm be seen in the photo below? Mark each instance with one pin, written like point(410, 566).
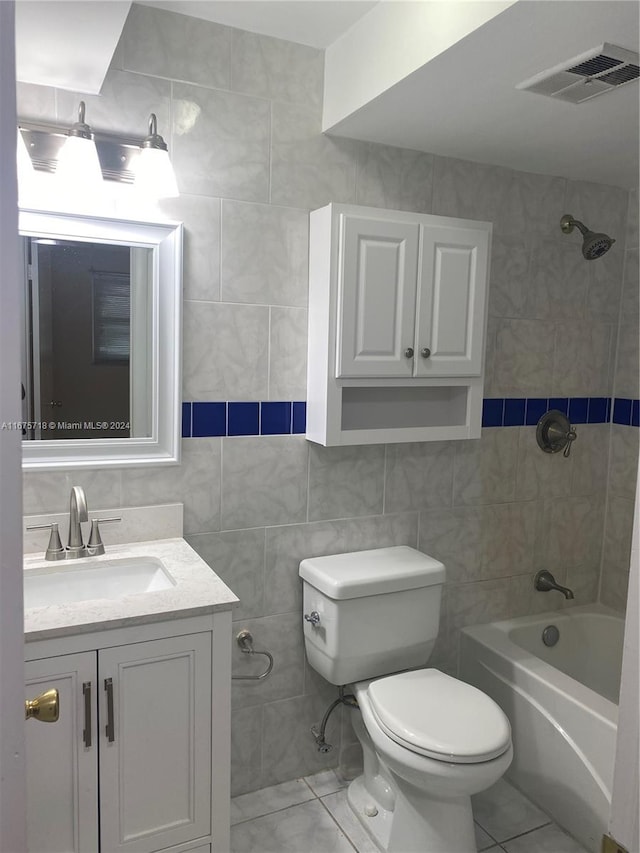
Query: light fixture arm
point(154, 140)
point(80, 128)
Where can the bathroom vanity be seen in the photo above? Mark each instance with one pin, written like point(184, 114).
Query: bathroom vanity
point(139, 757)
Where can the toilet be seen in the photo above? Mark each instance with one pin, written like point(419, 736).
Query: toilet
point(429, 741)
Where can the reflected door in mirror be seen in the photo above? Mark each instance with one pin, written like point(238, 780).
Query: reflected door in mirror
point(87, 368)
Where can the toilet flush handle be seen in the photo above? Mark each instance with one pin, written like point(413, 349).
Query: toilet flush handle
point(313, 617)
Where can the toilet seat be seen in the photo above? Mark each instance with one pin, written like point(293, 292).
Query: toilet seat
point(437, 716)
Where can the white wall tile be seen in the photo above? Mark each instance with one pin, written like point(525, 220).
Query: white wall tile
point(273, 68)
point(165, 44)
point(220, 143)
point(418, 476)
point(36, 103)
point(309, 170)
point(582, 362)
point(523, 359)
point(225, 351)
point(510, 291)
point(264, 481)
point(201, 250)
point(238, 558)
point(288, 354)
point(195, 483)
point(345, 481)
point(394, 178)
point(265, 254)
point(485, 468)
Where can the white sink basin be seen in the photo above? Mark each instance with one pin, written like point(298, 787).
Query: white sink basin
point(66, 582)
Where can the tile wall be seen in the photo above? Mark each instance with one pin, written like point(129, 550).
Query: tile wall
point(241, 114)
point(624, 436)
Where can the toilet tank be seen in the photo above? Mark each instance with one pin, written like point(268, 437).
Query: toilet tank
point(379, 612)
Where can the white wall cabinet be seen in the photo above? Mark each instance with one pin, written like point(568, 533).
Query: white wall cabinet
point(397, 319)
point(129, 766)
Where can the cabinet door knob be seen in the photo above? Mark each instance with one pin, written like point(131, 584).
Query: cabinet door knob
point(425, 352)
point(408, 352)
point(45, 707)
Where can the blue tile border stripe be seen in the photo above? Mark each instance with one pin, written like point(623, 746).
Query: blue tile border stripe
point(285, 417)
point(580, 410)
point(270, 417)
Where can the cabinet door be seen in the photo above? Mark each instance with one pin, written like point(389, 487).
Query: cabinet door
point(62, 768)
point(451, 302)
point(377, 297)
point(155, 743)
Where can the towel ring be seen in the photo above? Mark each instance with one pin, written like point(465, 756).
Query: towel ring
point(245, 640)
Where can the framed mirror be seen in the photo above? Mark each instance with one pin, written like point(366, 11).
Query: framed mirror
point(101, 356)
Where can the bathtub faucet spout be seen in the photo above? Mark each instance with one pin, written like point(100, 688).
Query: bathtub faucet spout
point(544, 581)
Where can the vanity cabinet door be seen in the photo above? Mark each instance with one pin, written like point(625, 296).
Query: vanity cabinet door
point(62, 768)
point(155, 743)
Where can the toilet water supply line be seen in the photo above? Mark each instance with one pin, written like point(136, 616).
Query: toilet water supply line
point(245, 640)
point(318, 731)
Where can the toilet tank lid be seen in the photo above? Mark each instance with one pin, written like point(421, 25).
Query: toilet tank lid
point(342, 576)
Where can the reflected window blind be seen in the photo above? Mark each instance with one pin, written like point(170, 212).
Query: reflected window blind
point(111, 317)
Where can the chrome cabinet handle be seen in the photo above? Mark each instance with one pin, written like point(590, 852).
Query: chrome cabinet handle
point(408, 352)
point(425, 352)
point(313, 617)
point(86, 732)
point(109, 728)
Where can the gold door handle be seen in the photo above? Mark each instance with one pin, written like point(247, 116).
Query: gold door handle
point(45, 707)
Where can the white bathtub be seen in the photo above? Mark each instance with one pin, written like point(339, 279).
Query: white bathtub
point(562, 702)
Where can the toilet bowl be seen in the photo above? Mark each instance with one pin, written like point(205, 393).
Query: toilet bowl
point(429, 741)
point(415, 793)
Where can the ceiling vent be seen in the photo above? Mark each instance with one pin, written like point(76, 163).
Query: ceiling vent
point(593, 73)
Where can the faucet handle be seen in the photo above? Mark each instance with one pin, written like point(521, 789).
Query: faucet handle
point(95, 545)
point(54, 551)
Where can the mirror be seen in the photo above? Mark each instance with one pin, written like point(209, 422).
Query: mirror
point(101, 354)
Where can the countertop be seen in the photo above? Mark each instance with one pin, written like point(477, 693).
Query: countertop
point(198, 591)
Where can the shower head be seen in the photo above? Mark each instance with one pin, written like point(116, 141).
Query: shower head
point(593, 245)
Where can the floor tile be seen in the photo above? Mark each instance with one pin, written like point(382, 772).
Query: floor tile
point(483, 840)
point(504, 812)
point(267, 800)
point(339, 807)
point(549, 839)
point(325, 782)
point(303, 827)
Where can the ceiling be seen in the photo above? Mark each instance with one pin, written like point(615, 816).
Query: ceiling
point(464, 104)
point(314, 22)
point(461, 103)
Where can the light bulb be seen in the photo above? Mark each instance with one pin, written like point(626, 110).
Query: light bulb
point(154, 174)
point(78, 168)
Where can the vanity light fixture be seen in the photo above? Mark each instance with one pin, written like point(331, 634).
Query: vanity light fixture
point(154, 174)
point(78, 165)
point(141, 161)
point(25, 166)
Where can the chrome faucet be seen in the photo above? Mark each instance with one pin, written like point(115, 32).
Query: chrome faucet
point(77, 514)
point(545, 581)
